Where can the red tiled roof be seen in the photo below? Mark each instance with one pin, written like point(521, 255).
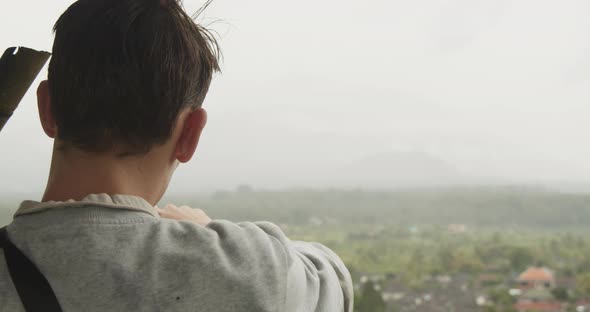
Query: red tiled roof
point(537, 274)
point(538, 306)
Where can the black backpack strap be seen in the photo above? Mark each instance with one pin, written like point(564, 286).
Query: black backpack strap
point(33, 288)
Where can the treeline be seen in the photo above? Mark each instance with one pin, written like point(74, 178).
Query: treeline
point(484, 206)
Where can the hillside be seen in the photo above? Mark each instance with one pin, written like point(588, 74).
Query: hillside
point(483, 206)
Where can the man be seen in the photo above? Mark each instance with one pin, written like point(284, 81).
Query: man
point(123, 105)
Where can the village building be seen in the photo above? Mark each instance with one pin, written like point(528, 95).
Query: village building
point(536, 277)
point(539, 307)
point(535, 285)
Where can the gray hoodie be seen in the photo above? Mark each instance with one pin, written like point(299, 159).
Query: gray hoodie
point(114, 253)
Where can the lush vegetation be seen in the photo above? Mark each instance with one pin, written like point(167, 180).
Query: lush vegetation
point(490, 257)
point(482, 206)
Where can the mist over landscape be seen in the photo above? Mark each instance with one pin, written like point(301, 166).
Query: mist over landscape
point(373, 94)
point(439, 147)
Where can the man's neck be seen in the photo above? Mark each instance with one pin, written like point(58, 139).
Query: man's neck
point(75, 175)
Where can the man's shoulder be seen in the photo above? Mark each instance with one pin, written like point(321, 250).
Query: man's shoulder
point(238, 264)
point(245, 241)
point(248, 260)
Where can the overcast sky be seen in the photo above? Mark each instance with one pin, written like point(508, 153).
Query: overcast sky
point(493, 90)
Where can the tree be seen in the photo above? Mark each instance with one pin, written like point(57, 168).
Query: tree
point(520, 258)
point(370, 300)
point(560, 294)
point(499, 309)
point(583, 285)
point(500, 296)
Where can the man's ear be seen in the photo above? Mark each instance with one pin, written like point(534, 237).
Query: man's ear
point(45, 111)
point(193, 125)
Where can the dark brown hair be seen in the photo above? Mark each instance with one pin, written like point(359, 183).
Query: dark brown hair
point(122, 71)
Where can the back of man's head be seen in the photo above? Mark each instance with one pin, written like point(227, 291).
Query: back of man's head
point(123, 70)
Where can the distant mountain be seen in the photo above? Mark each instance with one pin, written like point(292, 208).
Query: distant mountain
point(570, 187)
point(395, 170)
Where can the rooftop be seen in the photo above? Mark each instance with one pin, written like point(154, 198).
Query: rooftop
point(537, 274)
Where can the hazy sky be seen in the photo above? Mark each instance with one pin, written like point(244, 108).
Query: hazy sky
point(488, 89)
